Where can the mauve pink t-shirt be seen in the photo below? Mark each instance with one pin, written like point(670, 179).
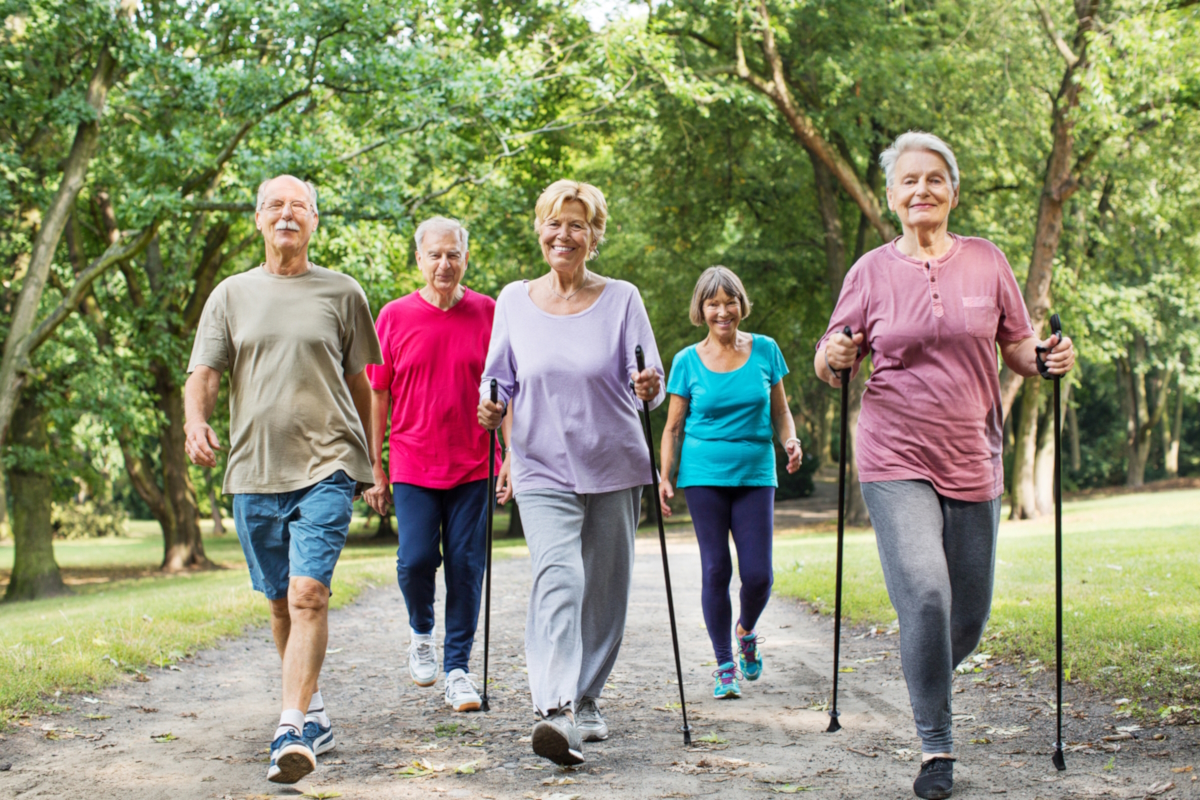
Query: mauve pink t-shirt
point(432, 364)
point(931, 409)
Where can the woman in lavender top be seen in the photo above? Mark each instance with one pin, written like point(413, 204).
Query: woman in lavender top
point(562, 354)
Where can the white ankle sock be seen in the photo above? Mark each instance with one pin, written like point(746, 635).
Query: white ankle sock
point(316, 709)
point(290, 720)
point(421, 637)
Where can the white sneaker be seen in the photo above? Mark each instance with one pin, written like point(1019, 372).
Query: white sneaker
point(423, 661)
point(460, 692)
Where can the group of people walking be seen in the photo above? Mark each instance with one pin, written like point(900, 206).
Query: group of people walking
point(315, 385)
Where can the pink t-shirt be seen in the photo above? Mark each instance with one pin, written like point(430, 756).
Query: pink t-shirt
point(432, 365)
point(931, 410)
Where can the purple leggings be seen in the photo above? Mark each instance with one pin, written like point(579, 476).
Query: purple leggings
point(747, 511)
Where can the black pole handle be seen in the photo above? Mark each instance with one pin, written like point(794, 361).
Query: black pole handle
point(641, 358)
point(495, 391)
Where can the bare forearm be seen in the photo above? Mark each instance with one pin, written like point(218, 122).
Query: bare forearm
point(506, 429)
point(671, 443)
point(200, 394)
point(361, 394)
point(380, 405)
point(1021, 357)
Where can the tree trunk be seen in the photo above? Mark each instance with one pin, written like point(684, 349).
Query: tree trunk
point(5, 530)
point(1044, 465)
point(1061, 181)
point(183, 547)
point(1024, 494)
point(214, 506)
point(825, 431)
point(1073, 435)
point(35, 572)
point(1171, 441)
point(17, 345)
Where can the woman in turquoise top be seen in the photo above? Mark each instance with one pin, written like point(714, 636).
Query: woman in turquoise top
point(727, 403)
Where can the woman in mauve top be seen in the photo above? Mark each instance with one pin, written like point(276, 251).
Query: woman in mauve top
point(930, 308)
point(727, 405)
point(562, 354)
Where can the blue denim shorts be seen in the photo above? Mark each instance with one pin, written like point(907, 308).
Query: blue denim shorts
point(296, 534)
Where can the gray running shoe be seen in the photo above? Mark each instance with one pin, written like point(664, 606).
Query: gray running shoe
point(556, 738)
point(591, 725)
point(423, 661)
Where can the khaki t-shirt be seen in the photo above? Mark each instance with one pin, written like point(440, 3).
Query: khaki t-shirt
point(288, 343)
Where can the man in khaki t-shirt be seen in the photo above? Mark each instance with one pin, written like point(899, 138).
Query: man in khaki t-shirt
point(295, 339)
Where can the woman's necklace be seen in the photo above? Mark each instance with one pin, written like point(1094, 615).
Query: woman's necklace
point(586, 277)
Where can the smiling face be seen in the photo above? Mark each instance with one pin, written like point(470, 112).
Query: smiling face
point(566, 238)
point(722, 314)
point(286, 218)
point(922, 194)
point(442, 261)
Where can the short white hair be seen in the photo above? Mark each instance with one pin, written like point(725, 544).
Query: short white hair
point(917, 140)
point(262, 192)
point(442, 225)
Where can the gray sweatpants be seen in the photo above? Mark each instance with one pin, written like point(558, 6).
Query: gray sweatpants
point(581, 549)
point(939, 562)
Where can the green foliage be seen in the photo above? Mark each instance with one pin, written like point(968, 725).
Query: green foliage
point(91, 518)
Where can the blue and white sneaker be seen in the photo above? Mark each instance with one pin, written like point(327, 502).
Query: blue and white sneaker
point(749, 661)
point(727, 682)
point(291, 758)
point(317, 736)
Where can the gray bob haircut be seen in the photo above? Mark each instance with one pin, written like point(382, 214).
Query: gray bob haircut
point(710, 282)
point(442, 225)
point(262, 192)
point(917, 140)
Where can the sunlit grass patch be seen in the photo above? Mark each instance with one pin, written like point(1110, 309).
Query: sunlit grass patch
point(1131, 593)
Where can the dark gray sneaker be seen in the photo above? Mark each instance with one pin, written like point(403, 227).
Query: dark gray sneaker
point(591, 725)
point(556, 738)
point(936, 779)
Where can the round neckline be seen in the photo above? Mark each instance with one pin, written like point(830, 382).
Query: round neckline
point(275, 275)
point(895, 249)
point(607, 282)
point(432, 307)
point(753, 344)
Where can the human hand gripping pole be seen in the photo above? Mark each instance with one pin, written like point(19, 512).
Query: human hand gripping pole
point(844, 379)
point(1056, 329)
point(491, 512)
point(662, 540)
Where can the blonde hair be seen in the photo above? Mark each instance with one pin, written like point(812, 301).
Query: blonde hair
point(711, 281)
point(550, 203)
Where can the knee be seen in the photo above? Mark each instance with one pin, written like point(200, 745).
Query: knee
point(279, 609)
point(758, 582)
point(931, 604)
point(307, 596)
point(416, 564)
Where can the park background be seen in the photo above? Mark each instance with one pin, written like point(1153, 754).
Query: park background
point(133, 135)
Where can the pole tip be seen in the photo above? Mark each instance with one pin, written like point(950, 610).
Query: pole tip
point(483, 704)
point(834, 725)
point(1057, 758)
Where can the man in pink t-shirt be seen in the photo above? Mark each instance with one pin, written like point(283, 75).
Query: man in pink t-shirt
point(434, 344)
point(931, 307)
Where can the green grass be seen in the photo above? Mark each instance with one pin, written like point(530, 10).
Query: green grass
point(1131, 632)
point(124, 619)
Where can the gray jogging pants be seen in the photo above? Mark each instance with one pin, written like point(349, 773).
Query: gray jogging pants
point(939, 563)
point(581, 552)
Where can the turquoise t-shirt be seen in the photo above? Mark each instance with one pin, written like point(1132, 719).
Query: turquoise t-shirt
point(727, 435)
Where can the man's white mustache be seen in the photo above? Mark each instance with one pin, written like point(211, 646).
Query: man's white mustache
point(287, 225)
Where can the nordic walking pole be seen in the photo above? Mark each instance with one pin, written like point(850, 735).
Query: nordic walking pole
point(1059, 763)
point(491, 512)
point(662, 540)
point(844, 377)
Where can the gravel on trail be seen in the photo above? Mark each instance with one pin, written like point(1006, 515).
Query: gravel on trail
point(201, 729)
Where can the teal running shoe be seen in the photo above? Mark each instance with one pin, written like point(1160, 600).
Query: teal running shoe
point(727, 682)
point(749, 661)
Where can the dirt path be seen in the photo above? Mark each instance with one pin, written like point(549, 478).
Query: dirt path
point(221, 705)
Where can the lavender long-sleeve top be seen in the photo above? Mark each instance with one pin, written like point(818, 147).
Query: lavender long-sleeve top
point(566, 381)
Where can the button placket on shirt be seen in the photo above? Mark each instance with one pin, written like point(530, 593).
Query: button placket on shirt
point(935, 294)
